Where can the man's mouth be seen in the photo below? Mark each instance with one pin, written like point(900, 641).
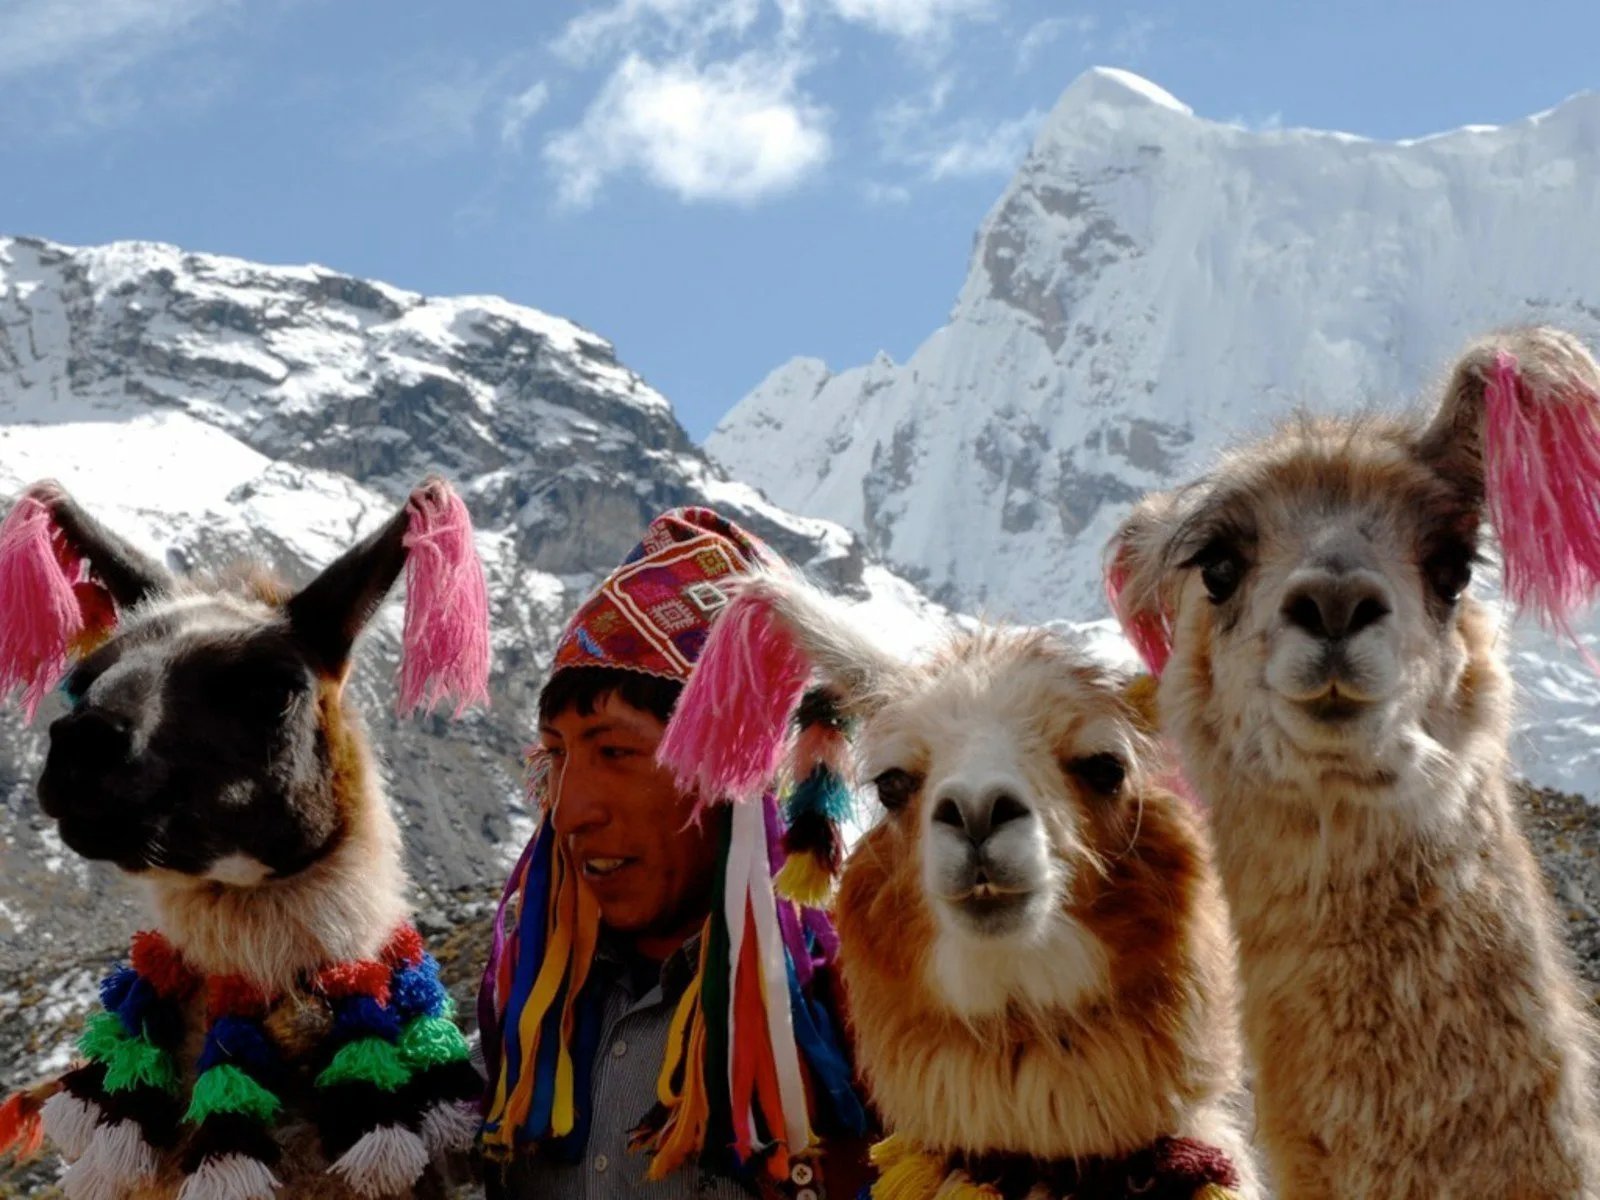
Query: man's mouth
point(602, 867)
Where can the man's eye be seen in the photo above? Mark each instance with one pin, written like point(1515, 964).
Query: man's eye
point(616, 753)
point(554, 752)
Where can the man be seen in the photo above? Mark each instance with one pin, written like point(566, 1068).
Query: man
point(607, 1019)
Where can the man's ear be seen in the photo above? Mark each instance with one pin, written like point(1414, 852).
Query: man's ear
point(63, 578)
point(1517, 433)
point(446, 640)
point(1136, 579)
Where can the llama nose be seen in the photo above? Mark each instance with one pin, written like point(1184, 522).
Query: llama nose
point(89, 740)
point(979, 813)
point(1335, 607)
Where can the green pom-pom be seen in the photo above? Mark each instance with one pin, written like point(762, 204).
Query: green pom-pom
point(102, 1037)
point(430, 1041)
point(224, 1088)
point(138, 1063)
point(370, 1060)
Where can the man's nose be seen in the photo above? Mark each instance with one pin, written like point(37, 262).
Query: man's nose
point(580, 806)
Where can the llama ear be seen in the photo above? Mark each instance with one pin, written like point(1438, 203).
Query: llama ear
point(1135, 578)
point(63, 576)
point(445, 650)
point(1518, 431)
point(729, 729)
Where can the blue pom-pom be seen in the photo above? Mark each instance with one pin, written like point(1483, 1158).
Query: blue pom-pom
point(114, 987)
point(135, 1004)
point(417, 992)
point(239, 1041)
point(362, 1016)
point(823, 792)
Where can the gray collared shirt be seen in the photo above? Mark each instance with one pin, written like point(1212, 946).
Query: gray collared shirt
point(638, 1014)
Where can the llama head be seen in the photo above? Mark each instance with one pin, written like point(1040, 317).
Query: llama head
point(206, 736)
point(1311, 588)
point(1009, 767)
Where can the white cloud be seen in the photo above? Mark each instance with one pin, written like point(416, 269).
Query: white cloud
point(521, 109)
point(37, 35)
point(730, 131)
point(1047, 32)
point(672, 25)
point(912, 20)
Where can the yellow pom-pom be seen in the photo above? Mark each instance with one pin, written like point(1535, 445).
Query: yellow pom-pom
point(1213, 1191)
point(804, 880)
point(910, 1175)
point(960, 1187)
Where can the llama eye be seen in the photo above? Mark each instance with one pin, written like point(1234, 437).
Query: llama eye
point(896, 788)
point(1221, 569)
point(1448, 570)
point(1102, 773)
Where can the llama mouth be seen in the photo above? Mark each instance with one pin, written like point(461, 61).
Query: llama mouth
point(1334, 707)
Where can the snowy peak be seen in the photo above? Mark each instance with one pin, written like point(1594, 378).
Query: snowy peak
point(1113, 89)
point(1152, 286)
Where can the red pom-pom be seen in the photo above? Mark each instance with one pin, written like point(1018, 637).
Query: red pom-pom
point(161, 966)
point(405, 948)
point(1150, 630)
point(363, 978)
point(235, 996)
point(21, 1129)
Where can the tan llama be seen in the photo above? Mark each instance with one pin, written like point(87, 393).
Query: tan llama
point(1342, 705)
point(1033, 941)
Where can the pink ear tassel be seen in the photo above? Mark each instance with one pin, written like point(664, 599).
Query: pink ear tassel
point(39, 612)
point(1150, 631)
point(730, 726)
point(1542, 478)
point(446, 645)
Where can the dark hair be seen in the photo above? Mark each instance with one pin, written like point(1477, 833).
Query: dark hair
point(582, 689)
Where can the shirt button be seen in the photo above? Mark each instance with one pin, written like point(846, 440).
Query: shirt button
point(806, 1194)
point(618, 1048)
point(601, 1162)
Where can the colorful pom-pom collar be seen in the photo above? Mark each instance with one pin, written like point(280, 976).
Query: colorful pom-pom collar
point(393, 1089)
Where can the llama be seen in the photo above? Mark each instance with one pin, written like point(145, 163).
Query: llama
point(1342, 705)
point(283, 1028)
point(1036, 959)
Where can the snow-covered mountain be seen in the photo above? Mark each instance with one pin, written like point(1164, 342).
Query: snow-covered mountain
point(210, 408)
point(1153, 285)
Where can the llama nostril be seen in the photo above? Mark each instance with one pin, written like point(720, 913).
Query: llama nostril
point(1007, 808)
point(948, 812)
point(1368, 611)
point(1303, 612)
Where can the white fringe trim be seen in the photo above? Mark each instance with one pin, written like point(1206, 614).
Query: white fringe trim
point(69, 1124)
point(386, 1160)
point(117, 1158)
point(230, 1177)
point(449, 1126)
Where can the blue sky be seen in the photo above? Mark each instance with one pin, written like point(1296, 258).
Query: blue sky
point(714, 185)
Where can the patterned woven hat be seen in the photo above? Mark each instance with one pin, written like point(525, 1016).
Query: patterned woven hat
point(652, 614)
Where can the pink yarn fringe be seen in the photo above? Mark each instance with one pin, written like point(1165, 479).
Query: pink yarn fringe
point(1542, 478)
point(729, 729)
point(1149, 631)
point(446, 647)
point(39, 612)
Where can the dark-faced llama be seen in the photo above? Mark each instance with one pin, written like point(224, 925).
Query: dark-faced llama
point(282, 1030)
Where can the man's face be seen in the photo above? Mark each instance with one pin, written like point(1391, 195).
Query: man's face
point(625, 824)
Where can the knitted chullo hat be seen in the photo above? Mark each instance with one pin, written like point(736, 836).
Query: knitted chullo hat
point(753, 1066)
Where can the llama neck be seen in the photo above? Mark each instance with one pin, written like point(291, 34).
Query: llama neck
point(342, 907)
